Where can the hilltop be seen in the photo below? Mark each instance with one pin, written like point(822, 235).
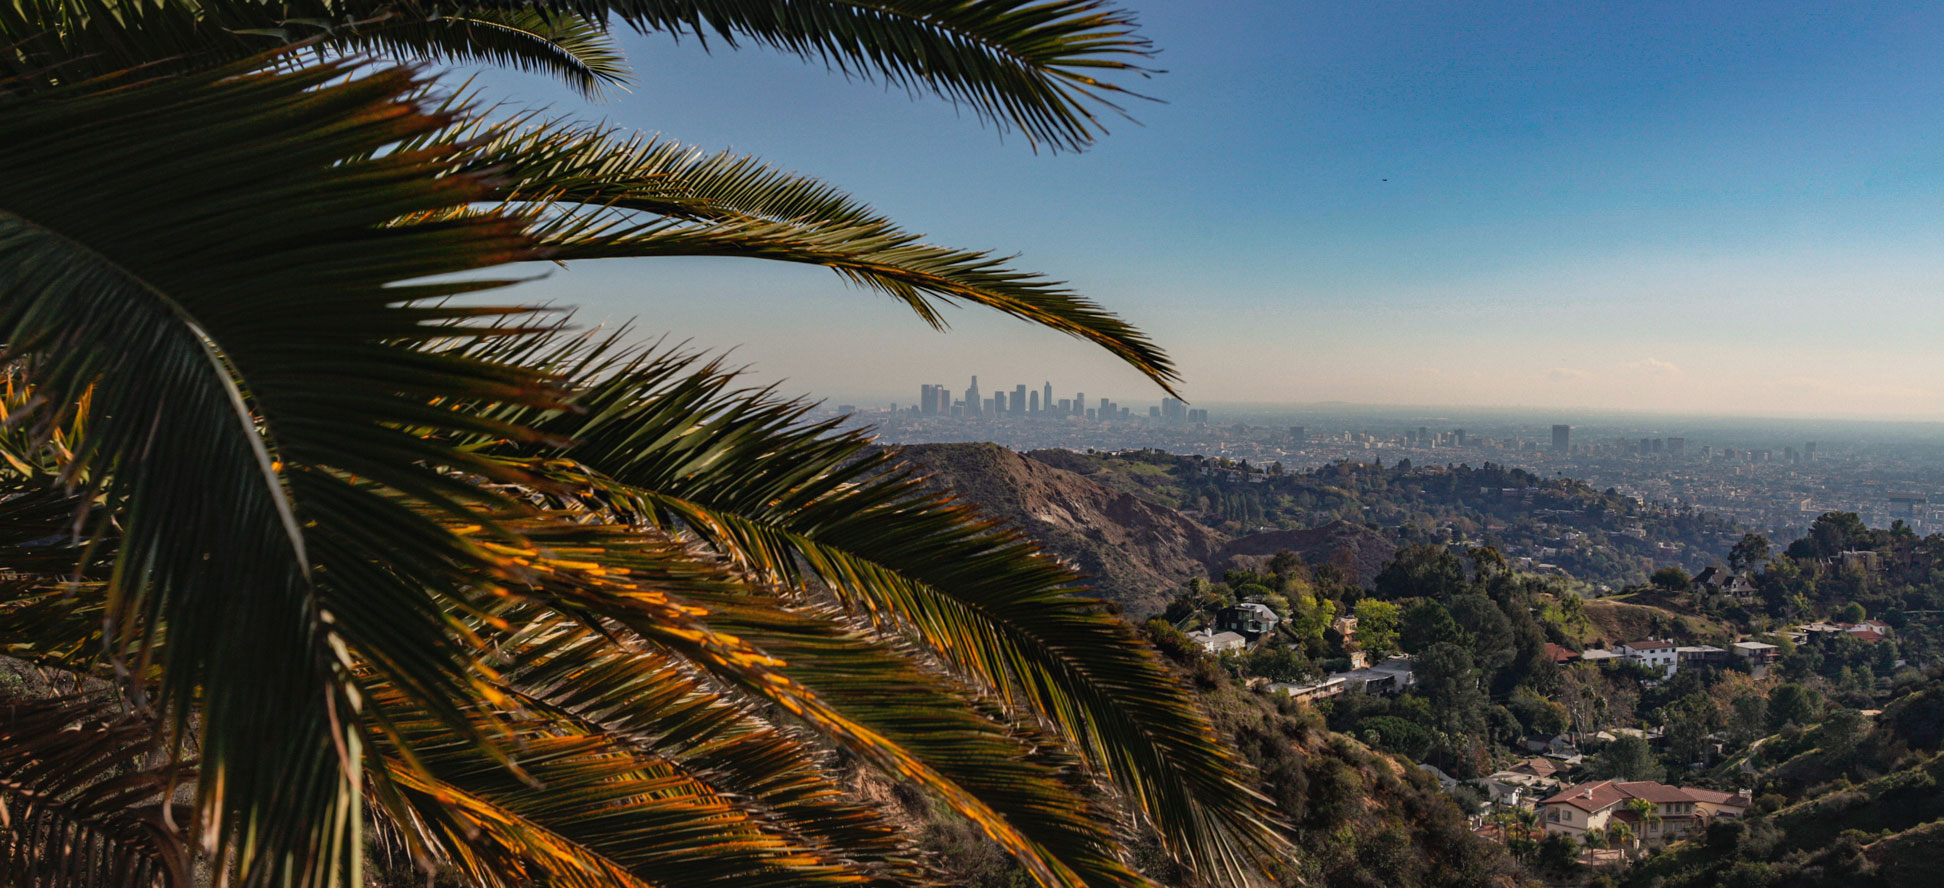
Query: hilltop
point(1136, 553)
point(1358, 550)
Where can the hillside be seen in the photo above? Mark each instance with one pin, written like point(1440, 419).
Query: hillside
point(1357, 549)
point(1136, 553)
point(1548, 525)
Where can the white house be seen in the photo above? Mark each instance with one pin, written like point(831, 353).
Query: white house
point(1218, 642)
point(1662, 655)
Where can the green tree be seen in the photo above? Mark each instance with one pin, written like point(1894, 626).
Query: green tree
point(1425, 623)
point(1450, 683)
point(1673, 579)
point(1851, 613)
point(1626, 758)
point(1793, 704)
point(1487, 631)
point(1421, 570)
point(384, 550)
point(1377, 626)
point(1749, 553)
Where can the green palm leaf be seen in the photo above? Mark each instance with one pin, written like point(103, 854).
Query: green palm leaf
point(1034, 65)
point(597, 193)
point(245, 372)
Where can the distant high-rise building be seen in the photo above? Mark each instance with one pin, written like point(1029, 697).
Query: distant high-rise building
point(1154, 412)
point(1562, 438)
point(927, 400)
point(1789, 455)
point(1646, 447)
point(1424, 436)
point(1046, 397)
point(1677, 446)
point(1018, 400)
point(1033, 403)
point(972, 399)
point(1066, 406)
point(1809, 452)
point(1079, 403)
point(998, 404)
point(1458, 437)
point(1297, 435)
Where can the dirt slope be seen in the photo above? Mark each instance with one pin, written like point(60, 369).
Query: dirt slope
point(1137, 554)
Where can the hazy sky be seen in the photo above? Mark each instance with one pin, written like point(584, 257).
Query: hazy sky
point(1672, 206)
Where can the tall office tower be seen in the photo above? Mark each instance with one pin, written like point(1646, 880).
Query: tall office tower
point(1562, 437)
point(998, 404)
point(1809, 452)
point(1090, 413)
point(1154, 412)
point(1124, 412)
point(1646, 447)
point(1424, 435)
point(1297, 435)
point(925, 402)
point(1079, 403)
point(1033, 403)
point(1018, 400)
point(1105, 406)
point(1066, 406)
point(1677, 447)
point(1458, 437)
point(1046, 397)
point(991, 407)
point(1789, 455)
point(972, 400)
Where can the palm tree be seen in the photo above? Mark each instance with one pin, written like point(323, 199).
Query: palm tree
point(328, 558)
point(1645, 811)
point(1620, 835)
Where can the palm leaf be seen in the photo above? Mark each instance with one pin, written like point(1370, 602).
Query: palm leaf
point(248, 373)
point(796, 503)
point(79, 803)
point(1033, 65)
point(598, 193)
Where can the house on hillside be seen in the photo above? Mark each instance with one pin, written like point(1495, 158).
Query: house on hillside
point(1251, 619)
point(1215, 642)
point(1676, 812)
point(1662, 655)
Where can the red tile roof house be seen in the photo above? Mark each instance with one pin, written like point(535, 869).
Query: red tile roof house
point(1681, 812)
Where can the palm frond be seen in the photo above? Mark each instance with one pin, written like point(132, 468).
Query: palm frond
point(577, 51)
point(1042, 67)
point(798, 503)
point(81, 804)
point(853, 690)
point(599, 193)
point(233, 384)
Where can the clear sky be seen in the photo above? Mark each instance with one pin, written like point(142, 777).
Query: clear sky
point(1687, 206)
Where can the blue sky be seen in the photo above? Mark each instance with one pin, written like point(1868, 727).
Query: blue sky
point(1720, 207)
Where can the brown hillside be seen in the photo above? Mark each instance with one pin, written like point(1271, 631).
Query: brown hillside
point(1618, 622)
point(1352, 547)
point(1137, 554)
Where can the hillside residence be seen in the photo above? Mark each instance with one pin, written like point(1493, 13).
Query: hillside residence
point(1393, 676)
point(1677, 812)
point(1660, 655)
point(1699, 654)
point(1252, 619)
point(1314, 690)
point(1522, 783)
point(1218, 642)
point(1756, 652)
point(1559, 654)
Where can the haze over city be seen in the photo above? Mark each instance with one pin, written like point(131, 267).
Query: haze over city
point(1706, 208)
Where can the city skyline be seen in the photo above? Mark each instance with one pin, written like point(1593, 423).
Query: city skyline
point(1408, 204)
